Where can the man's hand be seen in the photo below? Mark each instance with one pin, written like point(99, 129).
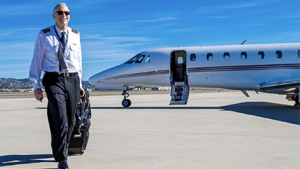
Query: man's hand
point(82, 93)
point(38, 93)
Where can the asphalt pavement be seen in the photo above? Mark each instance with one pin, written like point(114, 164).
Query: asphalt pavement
point(214, 130)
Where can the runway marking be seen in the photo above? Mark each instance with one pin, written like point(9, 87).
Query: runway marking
point(213, 147)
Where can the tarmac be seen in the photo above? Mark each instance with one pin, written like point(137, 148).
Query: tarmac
point(214, 130)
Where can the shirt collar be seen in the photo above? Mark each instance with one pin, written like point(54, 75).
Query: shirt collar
point(60, 31)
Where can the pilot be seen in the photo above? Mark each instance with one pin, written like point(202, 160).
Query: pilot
point(57, 52)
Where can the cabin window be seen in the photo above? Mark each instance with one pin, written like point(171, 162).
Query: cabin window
point(147, 59)
point(133, 59)
point(279, 54)
point(261, 55)
point(299, 53)
point(180, 60)
point(209, 56)
point(140, 59)
point(226, 56)
point(193, 57)
point(244, 55)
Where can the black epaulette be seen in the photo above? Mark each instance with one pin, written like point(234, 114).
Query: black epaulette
point(46, 30)
point(75, 31)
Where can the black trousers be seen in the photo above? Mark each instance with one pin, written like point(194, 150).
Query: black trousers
point(63, 94)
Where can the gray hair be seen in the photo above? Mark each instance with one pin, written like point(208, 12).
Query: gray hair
point(59, 5)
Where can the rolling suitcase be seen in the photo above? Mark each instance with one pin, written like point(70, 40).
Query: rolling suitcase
point(80, 135)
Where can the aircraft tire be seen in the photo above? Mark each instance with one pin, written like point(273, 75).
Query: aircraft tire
point(126, 103)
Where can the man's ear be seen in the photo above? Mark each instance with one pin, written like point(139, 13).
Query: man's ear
point(53, 15)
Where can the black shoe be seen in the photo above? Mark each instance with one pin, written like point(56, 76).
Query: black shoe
point(63, 165)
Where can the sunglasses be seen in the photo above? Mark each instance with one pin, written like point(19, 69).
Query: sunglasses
point(62, 12)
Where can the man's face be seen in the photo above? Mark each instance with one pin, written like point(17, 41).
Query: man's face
point(61, 20)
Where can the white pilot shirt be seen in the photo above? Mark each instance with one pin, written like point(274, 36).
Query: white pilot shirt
point(45, 56)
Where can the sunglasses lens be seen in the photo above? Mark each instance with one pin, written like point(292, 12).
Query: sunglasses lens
point(62, 12)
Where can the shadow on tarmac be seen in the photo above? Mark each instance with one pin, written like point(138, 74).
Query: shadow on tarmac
point(11, 160)
point(279, 112)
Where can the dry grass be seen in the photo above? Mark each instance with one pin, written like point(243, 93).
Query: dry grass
point(16, 95)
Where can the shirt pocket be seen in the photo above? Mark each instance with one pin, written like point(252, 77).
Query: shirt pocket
point(74, 51)
point(74, 47)
point(52, 50)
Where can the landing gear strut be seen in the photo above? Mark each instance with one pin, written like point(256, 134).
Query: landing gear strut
point(126, 102)
point(297, 100)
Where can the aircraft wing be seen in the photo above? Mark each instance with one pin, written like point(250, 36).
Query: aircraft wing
point(277, 85)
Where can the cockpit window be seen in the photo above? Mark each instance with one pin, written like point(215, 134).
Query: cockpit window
point(147, 59)
point(140, 59)
point(133, 59)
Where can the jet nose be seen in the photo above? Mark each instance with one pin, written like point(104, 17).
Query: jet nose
point(101, 76)
point(96, 78)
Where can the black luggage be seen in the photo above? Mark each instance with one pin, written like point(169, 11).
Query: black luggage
point(80, 134)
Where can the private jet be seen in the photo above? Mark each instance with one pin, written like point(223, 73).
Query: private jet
point(270, 68)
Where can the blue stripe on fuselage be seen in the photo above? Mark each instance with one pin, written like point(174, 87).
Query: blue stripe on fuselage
point(213, 69)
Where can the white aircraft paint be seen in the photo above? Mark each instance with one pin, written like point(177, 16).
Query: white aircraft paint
point(236, 71)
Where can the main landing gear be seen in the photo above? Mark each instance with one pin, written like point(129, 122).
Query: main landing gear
point(294, 97)
point(126, 102)
point(297, 103)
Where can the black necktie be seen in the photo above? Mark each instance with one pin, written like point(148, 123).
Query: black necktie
point(61, 60)
point(63, 39)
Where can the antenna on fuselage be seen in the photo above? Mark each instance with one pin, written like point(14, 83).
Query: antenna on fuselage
point(245, 41)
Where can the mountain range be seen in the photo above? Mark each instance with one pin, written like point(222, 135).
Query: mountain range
point(11, 83)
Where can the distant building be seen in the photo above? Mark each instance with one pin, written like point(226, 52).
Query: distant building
point(164, 88)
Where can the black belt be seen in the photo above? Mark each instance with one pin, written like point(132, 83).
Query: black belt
point(62, 74)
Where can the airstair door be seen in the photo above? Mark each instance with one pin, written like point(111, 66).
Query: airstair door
point(179, 78)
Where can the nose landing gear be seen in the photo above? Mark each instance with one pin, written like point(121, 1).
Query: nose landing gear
point(126, 102)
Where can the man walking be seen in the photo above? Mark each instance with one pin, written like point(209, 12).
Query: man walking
point(57, 52)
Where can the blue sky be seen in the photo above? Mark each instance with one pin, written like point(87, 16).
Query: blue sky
point(112, 31)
